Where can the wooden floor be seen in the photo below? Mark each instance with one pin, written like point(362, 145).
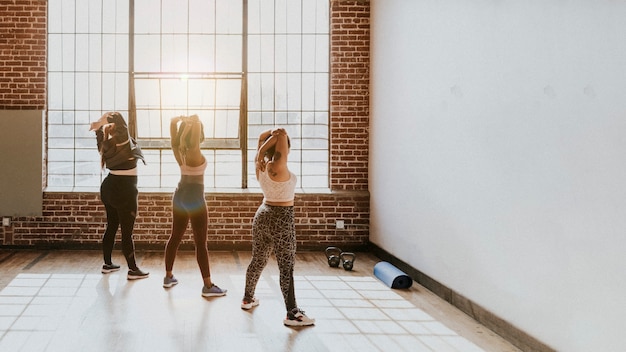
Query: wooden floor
point(59, 301)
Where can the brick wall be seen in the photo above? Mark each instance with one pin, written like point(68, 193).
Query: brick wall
point(78, 220)
point(23, 54)
point(349, 93)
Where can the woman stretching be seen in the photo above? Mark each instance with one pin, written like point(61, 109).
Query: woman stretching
point(188, 202)
point(273, 226)
point(118, 191)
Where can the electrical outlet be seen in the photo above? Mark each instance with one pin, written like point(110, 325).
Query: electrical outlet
point(6, 222)
point(339, 225)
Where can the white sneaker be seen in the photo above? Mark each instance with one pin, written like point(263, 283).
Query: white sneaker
point(248, 305)
point(296, 317)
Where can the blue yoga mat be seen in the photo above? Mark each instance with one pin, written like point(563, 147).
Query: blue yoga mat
point(392, 276)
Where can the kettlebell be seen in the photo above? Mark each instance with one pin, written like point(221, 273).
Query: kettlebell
point(333, 255)
point(347, 258)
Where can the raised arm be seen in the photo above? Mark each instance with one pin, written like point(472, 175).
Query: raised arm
point(272, 153)
point(262, 137)
point(186, 139)
point(174, 139)
point(194, 131)
point(110, 125)
point(114, 142)
point(120, 132)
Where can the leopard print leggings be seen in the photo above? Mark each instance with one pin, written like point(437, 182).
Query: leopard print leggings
point(273, 228)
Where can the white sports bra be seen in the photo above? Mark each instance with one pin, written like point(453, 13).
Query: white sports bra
point(186, 170)
point(277, 191)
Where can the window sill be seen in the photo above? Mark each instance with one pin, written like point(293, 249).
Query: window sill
point(171, 190)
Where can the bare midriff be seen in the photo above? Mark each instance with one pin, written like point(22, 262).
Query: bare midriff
point(199, 179)
point(280, 204)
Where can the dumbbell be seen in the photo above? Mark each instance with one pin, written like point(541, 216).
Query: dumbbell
point(333, 255)
point(347, 259)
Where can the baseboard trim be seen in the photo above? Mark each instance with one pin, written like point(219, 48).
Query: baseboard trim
point(506, 330)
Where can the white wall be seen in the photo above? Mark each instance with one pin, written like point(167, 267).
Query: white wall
point(498, 157)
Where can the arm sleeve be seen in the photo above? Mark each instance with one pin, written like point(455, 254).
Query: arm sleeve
point(99, 138)
point(121, 128)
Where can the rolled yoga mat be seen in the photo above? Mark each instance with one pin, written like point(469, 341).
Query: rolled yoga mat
point(392, 276)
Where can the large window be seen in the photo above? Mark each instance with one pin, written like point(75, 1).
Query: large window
point(242, 66)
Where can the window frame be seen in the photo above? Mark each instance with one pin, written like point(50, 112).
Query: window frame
point(309, 143)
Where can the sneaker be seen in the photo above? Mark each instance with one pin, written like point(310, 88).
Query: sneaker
point(109, 268)
point(296, 317)
point(169, 281)
point(213, 291)
point(136, 274)
point(248, 305)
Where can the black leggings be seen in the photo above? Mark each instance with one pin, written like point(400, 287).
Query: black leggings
point(273, 228)
point(189, 205)
point(119, 196)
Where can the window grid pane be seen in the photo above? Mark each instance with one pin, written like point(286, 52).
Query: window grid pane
point(288, 82)
point(88, 75)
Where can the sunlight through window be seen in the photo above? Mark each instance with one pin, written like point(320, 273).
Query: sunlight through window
point(152, 63)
